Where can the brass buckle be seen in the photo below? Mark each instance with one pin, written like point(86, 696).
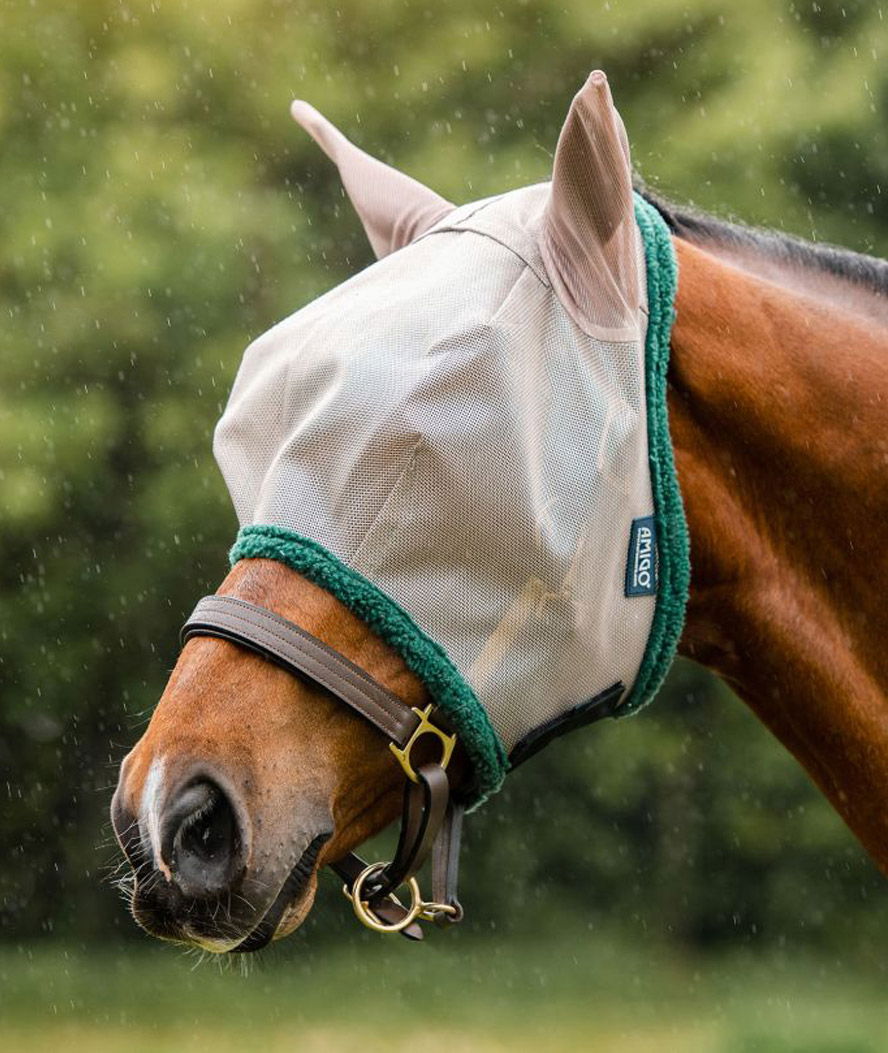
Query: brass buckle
point(424, 727)
point(419, 909)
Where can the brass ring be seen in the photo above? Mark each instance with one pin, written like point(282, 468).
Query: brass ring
point(365, 913)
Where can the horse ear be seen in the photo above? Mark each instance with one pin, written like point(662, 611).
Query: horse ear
point(394, 208)
point(588, 236)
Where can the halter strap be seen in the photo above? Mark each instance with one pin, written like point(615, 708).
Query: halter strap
point(288, 645)
point(431, 820)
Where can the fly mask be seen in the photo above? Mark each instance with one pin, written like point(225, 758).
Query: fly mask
point(467, 443)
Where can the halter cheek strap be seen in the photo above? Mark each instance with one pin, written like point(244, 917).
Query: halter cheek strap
point(431, 819)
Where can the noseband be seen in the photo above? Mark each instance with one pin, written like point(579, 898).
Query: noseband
point(431, 820)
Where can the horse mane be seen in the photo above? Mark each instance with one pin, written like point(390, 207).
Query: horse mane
point(700, 227)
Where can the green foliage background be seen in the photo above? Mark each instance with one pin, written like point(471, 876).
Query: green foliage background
point(159, 210)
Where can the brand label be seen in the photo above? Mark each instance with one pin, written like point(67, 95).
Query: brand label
point(641, 566)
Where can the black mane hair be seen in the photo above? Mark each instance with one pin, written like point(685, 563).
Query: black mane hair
point(700, 227)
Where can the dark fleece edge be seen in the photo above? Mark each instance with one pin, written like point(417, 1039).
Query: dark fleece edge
point(673, 544)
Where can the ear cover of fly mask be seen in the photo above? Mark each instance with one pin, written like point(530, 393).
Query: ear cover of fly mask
point(394, 208)
point(588, 237)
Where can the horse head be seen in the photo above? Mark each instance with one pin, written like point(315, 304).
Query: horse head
point(249, 779)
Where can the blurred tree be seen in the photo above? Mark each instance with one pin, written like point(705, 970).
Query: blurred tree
point(160, 210)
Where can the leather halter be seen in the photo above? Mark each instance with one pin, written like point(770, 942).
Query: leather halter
point(431, 820)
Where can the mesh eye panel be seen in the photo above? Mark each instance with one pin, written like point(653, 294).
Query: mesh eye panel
point(442, 424)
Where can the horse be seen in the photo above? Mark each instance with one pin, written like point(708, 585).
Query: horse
point(249, 780)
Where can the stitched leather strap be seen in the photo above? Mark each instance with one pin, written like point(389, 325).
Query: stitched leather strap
point(445, 864)
point(425, 805)
point(301, 653)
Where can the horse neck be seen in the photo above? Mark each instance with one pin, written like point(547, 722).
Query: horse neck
point(778, 411)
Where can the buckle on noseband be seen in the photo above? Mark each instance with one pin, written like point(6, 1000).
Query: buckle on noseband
point(418, 909)
point(424, 727)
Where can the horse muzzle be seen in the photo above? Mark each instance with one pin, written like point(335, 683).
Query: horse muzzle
point(199, 878)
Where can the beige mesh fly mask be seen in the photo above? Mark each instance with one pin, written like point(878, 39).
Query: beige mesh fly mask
point(466, 442)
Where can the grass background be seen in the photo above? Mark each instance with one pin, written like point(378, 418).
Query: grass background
point(587, 990)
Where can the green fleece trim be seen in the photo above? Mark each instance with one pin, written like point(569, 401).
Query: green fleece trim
point(393, 624)
point(673, 545)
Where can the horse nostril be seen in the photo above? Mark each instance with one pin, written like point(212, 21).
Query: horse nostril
point(200, 840)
